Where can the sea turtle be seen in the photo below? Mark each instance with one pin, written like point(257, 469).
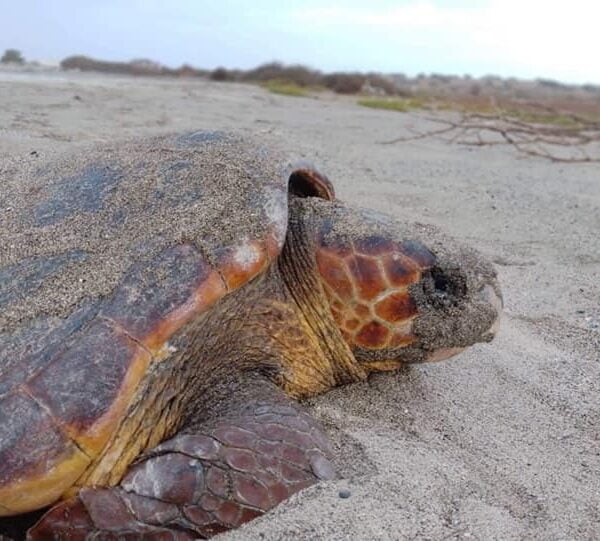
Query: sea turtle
point(165, 300)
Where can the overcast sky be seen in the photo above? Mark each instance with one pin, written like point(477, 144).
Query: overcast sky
point(555, 39)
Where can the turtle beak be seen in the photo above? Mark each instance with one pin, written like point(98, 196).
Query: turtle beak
point(442, 354)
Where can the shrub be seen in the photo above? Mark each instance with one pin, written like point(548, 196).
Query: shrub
point(12, 56)
point(386, 85)
point(185, 70)
point(220, 74)
point(135, 67)
point(85, 63)
point(344, 83)
point(275, 71)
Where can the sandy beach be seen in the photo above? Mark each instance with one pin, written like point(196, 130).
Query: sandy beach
point(502, 442)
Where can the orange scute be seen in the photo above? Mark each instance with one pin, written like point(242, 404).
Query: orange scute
point(208, 292)
point(239, 264)
point(334, 274)
point(337, 305)
point(95, 437)
point(337, 317)
point(372, 335)
point(400, 270)
point(362, 311)
point(367, 276)
point(396, 307)
point(352, 323)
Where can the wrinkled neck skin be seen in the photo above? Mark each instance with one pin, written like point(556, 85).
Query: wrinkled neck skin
point(328, 361)
point(283, 326)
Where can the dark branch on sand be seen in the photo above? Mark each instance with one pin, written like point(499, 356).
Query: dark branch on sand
point(539, 131)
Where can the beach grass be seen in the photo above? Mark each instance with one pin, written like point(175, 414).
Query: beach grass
point(401, 105)
point(286, 88)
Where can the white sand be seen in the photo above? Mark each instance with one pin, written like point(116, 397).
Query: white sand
point(500, 443)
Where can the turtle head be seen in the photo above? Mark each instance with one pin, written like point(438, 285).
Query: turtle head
point(402, 293)
point(399, 293)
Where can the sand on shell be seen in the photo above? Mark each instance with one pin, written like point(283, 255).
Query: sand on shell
point(502, 442)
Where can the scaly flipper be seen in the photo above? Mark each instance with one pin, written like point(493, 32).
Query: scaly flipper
point(205, 480)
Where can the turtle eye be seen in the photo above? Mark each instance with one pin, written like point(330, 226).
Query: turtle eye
point(440, 281)
point(444, 287)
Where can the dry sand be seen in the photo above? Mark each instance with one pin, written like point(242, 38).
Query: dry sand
point(500, 443)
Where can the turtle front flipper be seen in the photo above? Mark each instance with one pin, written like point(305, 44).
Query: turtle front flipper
point(211, 477)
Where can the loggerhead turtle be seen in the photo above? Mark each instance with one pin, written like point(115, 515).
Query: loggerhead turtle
point(164, 300)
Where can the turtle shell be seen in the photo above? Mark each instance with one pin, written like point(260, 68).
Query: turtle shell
point(104, 255)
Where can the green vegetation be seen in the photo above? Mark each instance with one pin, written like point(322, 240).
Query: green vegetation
point(401, 105)
point(554, 118)
point(285, 88)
